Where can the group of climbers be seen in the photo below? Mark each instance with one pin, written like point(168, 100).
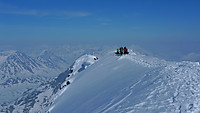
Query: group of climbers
point(122, 50)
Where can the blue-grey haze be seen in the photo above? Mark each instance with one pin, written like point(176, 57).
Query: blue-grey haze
point(167, 28)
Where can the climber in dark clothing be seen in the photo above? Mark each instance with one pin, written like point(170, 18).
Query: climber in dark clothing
point(126, 50)
point(121, 50)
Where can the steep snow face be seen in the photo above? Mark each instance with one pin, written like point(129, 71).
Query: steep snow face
point(133, 83)
point(79, 65)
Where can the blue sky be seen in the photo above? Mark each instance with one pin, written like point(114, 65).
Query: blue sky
point(145, 22)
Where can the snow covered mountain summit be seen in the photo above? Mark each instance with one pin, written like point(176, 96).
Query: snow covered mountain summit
point(132, 83)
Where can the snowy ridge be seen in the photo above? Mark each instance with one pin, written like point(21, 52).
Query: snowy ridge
point(82, 63)
point(144, 60)
point(133, 83)
point(79, 65)
point(39, 99)
point(24, 91)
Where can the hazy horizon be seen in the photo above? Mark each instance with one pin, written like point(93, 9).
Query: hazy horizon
point(165, 28)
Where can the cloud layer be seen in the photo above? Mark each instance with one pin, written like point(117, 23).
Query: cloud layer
point(46, 13)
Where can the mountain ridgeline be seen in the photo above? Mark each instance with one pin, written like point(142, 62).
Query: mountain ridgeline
point(132, 83)
point(114, 83)
point(19, 63)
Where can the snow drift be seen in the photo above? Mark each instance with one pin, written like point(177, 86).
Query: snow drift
point(131, 83)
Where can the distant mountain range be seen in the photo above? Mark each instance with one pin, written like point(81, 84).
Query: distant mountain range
point(15, 63)
point(21, 73)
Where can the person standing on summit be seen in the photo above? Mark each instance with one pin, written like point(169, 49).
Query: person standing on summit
point(121, 50)
point(125, 50)
point(118, 51)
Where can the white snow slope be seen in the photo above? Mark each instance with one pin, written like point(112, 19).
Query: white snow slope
point(132, 84)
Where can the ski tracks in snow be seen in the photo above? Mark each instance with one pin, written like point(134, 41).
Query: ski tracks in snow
point(115, 102)
point(119, 99)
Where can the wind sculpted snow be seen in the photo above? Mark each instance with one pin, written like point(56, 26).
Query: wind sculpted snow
point(133, 83)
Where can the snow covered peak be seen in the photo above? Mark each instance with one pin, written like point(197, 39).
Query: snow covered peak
point(4, 55)
point(132, 83)
point(82, 63)
point(79, 65)
point(16, 62)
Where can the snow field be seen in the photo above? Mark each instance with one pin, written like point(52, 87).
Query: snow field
point(130, 84)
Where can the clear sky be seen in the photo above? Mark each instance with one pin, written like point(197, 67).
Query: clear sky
point(106, 21)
